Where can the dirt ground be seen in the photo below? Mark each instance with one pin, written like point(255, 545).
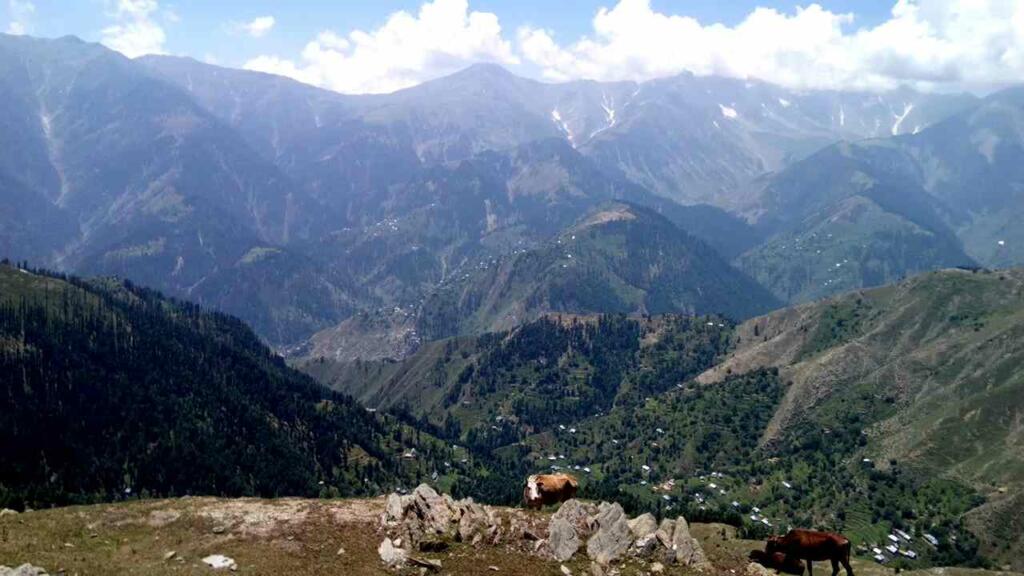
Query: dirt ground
point(281, 537)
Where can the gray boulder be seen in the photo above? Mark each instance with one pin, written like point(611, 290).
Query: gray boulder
point(612, 535)
point(475, 523)
point(434, 511)
point(686, 549)
point(562, 539)
point(577, 514)
point(643, 525)
point(394, 510)
point(664, 533)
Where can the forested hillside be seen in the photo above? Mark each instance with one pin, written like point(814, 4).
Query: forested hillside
point(108, 390)
point(924, 374)
point(618, 258)
point(499, 388)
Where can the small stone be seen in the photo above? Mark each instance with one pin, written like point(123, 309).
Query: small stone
point(657, 568)
point(170, 554)
point(755, 569)
point(69, 545)
point(492, 568)
point(565, 570)
point(23, 570)
point(596, 569)
point(219, 562)
point(340, 552)
point(219, 529)
point(390, 554)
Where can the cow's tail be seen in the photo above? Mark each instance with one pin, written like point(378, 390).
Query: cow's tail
point(845, 557)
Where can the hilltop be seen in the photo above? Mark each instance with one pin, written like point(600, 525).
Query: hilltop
point(296, 536)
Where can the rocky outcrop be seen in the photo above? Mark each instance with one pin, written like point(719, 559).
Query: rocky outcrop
point(427, 521)
point(425, 518)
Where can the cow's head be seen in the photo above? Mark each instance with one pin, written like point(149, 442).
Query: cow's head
point(774, 544)
point(532, 488)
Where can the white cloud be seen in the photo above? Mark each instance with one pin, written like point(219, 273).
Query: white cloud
point(134, 32)
point(258, 27)
point(931, 44)
point(945, 44)
point(442, 37)
point(21, 12)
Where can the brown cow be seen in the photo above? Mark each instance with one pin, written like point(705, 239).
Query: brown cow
point(778, 561)
point(811, 546)
point(545, 489)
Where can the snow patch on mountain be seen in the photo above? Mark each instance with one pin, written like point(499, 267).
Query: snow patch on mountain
point(907, 108)
point(728, 112)
point(556, 117)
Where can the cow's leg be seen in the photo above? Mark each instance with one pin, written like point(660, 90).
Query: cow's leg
point(810, 568)
point(835, 566)
point(846, 565)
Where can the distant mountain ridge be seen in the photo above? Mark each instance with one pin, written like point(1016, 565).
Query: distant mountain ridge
point(950, 194)
point(691, 139)
point(298, 209)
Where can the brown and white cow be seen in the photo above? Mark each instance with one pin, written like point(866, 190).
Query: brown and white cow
point(546, 489)
point(811, 546)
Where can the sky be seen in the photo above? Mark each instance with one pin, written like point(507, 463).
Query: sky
point(361, 46)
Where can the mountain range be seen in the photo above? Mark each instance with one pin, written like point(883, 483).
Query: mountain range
point(324, 219)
